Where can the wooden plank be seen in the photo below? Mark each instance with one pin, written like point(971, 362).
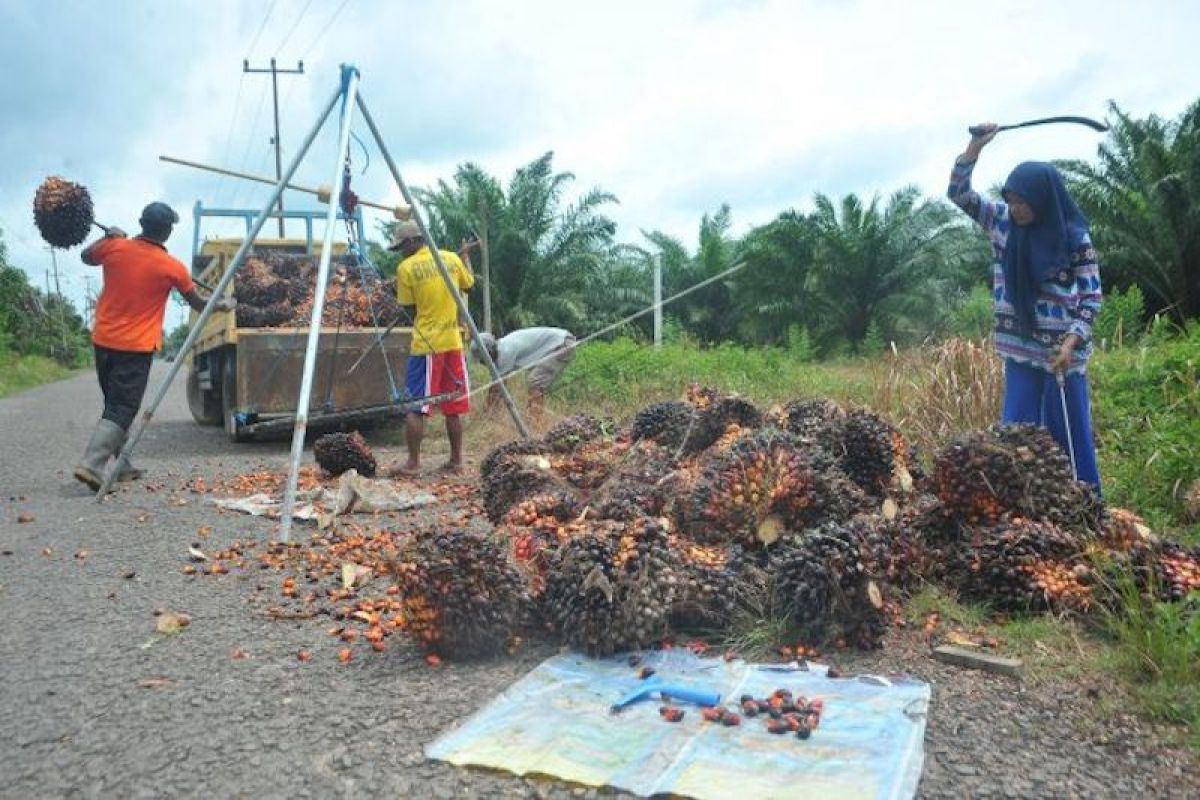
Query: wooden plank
point(972, 659)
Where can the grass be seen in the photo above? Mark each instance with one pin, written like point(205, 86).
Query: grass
point(18, 373)
point(1156, 647)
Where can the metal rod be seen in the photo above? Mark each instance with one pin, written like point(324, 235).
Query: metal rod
point(349, 90)
point(437, 259)
point(399, 212)
point(193, 334)
point(1062, 396)
point(658, 303)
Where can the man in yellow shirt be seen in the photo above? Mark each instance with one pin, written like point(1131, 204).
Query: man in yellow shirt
point(435, 363)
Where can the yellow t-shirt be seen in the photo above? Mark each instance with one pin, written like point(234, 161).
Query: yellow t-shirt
point(418, 283)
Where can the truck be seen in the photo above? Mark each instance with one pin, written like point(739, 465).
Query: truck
point(247, 379)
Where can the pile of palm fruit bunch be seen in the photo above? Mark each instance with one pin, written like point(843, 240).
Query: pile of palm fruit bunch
point(62, 212)
point(704, 490)
point(703, 513)
point(277, 290)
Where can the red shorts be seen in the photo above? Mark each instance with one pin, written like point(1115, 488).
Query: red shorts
point(440, 373)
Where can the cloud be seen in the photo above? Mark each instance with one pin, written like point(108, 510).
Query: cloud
point(674, 106)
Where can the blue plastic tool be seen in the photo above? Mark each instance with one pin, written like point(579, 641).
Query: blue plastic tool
point(687, 694)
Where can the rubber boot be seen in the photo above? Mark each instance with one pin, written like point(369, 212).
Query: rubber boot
point(129, 472)
point(104, 444)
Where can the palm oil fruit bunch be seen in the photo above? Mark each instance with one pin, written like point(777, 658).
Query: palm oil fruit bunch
point(581, 601)
point(820, 577)
point(533, 528)
point(706, 592)
point(920, 542)
point(815, 421)
point(462, 598)
point(1122, 530)
point(338, 452)
point(669, 424)
point(1012, 469)
point(1024, 565)
point(573, 431)
point(873, 453)
point(590, 464)
point(721, 416)
point(62, 212)
point(634, 489)
point(255, 284)
point(646, 576)
point(762, 487)
point(1177, 570)
point(500, 454)
point(515, 478)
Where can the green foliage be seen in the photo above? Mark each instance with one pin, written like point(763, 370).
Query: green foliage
point(545, 258)
point(35, 323)
point(1158, 650)
point(872, 344)
point(888, 264)
point(174, 340)
point(1146, 407)
point(625, 374)
point(1121, 320)
point(18, 372)
point(800, 344)
point(1143, 200)
point(971, 318)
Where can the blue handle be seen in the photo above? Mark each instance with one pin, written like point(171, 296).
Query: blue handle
point(700, 697)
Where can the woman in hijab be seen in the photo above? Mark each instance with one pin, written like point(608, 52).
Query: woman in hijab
point(1046, 286)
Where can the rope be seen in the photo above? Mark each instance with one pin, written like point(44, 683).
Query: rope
point(609, 328)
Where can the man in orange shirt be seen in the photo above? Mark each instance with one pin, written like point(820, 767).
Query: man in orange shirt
point(139, 275)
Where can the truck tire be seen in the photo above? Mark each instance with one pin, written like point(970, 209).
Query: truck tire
point(205, 406)
point(229, 407)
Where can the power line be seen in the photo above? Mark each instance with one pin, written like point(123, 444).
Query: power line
point(321, 31)
point(237, 100)
point(295, 25)
point(258, 33)
point(275, 73)
point(262, 99)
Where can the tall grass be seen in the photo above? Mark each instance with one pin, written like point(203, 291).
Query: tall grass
point(18, 372)
point(934, 393)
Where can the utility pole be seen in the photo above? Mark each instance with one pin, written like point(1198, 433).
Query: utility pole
point(89, 302)
point(275, 72)
point(62, 312)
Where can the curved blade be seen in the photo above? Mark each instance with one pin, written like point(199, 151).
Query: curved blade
point(1091, 123)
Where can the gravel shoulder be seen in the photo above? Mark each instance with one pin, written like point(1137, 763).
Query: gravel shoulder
point(98, 704)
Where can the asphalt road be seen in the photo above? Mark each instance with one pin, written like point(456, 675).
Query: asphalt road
point(96, 704)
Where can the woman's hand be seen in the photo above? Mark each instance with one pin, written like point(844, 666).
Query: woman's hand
point(1062, 359)
point(987, 132)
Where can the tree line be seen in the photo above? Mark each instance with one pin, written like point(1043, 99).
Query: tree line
point(844, 277)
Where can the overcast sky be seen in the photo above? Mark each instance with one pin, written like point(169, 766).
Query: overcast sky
point(675, 107)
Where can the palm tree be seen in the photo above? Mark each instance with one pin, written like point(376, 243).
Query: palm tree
point(1143, 200)
point(773, 291)
point(708, 313)
point(543, 258)
point(892, 268)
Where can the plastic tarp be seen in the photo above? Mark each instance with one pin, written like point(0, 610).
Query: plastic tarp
point(556, 722)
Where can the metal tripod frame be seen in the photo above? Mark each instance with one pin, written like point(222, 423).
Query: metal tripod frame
point(348, 94)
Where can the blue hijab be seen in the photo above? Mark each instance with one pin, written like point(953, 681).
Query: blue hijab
point(1038, 251)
